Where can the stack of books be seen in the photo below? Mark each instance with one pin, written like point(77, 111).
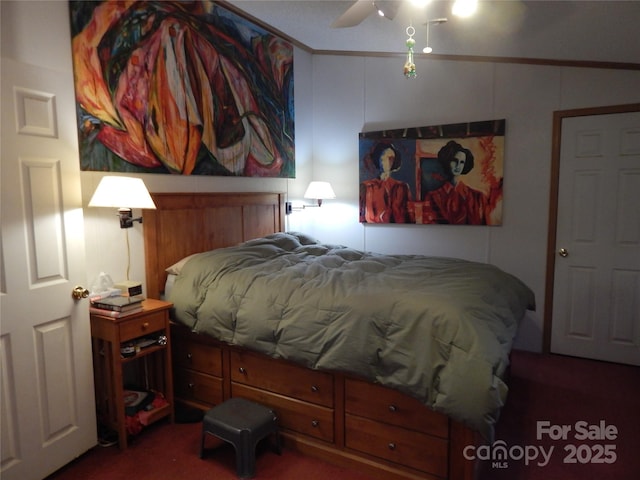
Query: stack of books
point(116, 306)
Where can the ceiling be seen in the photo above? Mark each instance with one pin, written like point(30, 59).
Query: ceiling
point(598, 31)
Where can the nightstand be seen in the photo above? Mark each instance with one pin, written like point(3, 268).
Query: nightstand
point(150, 365)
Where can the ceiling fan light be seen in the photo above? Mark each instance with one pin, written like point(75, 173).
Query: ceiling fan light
point(464, 8)
point(387, 8)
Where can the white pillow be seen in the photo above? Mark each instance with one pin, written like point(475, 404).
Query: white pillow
point(177, 267)
point(168, 285)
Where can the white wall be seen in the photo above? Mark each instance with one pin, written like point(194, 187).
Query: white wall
point(354, 94)
point(337, 97)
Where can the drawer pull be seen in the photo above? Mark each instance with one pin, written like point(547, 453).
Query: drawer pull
point(145, 325)
point(191, 386)
point(189, 356)
point(393, 408)
point(392, 446)
point(242, 370)
point(315, 388)
point(315, 423)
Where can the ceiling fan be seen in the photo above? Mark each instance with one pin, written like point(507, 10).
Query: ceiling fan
point(361, 9)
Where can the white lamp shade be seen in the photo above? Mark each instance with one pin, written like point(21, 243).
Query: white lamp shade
point(319, 190)
point(121, 192)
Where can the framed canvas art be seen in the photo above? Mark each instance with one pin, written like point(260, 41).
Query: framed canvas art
point(186, 88)
point(444, 174)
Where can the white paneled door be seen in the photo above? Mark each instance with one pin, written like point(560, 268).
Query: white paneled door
point(46, 378)
point(596, 306)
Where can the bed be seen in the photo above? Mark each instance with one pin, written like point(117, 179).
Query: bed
point(389, 363)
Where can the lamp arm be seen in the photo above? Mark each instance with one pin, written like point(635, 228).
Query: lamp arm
point(126, 218)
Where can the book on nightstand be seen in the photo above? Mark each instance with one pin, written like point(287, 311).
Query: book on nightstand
point(113, 313)
point(118, 303)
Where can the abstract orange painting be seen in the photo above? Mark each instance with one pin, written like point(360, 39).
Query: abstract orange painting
point(186, 88)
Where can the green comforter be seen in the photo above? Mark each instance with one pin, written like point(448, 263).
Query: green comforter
point(438, 329)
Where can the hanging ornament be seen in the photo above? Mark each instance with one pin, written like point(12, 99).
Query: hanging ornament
point(409, 65)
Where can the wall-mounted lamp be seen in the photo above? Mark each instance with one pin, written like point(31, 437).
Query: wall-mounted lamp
point(116, 192)
point(317, 191)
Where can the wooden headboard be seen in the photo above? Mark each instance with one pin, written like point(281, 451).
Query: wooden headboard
point(186, 223)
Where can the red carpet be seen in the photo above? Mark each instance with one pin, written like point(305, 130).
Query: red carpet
point(552, 388)
point(170, 452)
point(564, 391)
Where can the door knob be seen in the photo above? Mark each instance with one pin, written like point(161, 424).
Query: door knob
point(563, 252)
point(79, 292)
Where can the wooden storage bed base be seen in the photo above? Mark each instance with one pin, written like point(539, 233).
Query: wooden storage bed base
point(336, 417)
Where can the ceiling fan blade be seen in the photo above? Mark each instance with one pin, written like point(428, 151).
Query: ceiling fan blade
point(355, 14)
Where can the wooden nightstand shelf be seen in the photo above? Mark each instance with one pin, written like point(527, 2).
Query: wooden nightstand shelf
point(150, 365)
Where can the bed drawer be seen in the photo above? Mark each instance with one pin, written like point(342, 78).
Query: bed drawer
point(197, 356)
point(283, 378)
point(196, 386)
point(386, 405)
point(406, 447)
point(302, 417)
